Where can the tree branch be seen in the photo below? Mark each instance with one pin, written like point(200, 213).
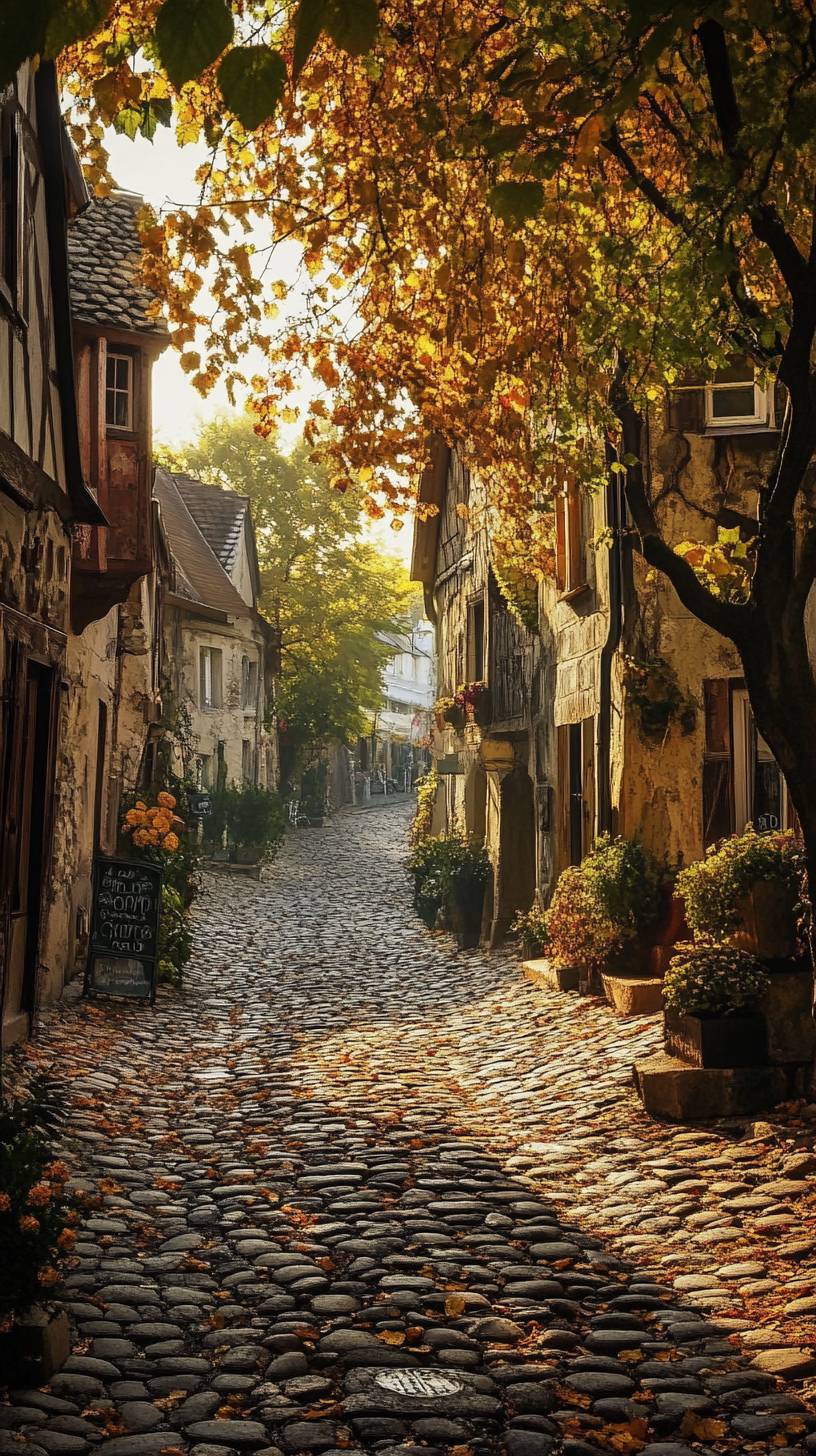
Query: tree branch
point(613, 144)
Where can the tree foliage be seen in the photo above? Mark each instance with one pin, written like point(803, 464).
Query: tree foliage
point(330, 593)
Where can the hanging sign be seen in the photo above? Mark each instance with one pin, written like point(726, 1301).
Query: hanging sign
point(124, 936)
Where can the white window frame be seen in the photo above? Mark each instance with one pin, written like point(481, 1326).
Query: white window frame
point(763, 416)
point(207, 677)
point(118, 356)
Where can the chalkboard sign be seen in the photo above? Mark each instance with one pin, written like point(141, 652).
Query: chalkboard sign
point(124, 929)
point(201, 804)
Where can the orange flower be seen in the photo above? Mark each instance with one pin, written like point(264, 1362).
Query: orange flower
point(29, 1224)
point(135, 816)
point(170, 841)
point(141, 836)
point(161, 823)
point(140, 804)
point(67, 1239)
point(48, 1275)
point(5, 1203)
point(57, 1170)
point(152, 836)
point(39, 1195)
point(166, 800)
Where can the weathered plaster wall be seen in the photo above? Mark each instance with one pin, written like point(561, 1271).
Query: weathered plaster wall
point(228, 724)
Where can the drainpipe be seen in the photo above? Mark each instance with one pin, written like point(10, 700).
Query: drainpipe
point(615, 517)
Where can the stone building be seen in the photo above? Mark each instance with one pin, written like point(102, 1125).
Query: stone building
point(394, 750)
point(620, 712)
point(219, 651)
point(44, 498)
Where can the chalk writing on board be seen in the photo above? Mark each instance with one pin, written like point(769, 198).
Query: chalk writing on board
point(124, 928)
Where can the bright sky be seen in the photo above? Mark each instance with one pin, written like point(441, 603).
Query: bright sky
point(162, 172)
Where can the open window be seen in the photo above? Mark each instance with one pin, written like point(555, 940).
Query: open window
point(476, 640)
point(210, 677)
point(570, 555)
point(738, 404)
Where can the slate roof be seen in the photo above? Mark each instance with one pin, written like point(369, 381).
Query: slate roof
point(199, 575)
point(219, 515)
point(104, 253)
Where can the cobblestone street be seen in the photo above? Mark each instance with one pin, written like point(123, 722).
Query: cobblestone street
point(346, 1154)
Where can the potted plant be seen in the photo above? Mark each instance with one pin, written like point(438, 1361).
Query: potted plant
point(467, 871)
point(747, 890)
point(602, 909)
point(712, 994)
point(450, 711)
point(530, 926)
point(36, 1234)
point(477, 702)
point(427, 864)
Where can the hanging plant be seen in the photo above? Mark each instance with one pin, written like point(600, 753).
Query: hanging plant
point(652, 686)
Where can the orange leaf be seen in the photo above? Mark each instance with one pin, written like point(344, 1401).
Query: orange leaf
point(454, 1305)
point(392, 1337)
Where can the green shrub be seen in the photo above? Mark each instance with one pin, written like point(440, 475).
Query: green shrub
point(175, 936)
point(35, 1210)
point(426, 798)
point(531, 928)
point(447, 869)
point(253, 820)
point(603, 904)
point(713, 980)
point(713, 887)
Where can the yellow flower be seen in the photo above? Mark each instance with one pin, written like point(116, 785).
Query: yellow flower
point(170, 841)
point(166, 800)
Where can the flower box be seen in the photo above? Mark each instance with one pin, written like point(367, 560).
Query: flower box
point(767, 926)
point(716, 1041)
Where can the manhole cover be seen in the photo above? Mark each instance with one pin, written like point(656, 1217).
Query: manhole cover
point(417, 1382)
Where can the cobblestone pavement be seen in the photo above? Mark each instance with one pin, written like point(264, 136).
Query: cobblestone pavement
point(346, 1158)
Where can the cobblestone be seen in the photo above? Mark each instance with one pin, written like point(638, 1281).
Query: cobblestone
point(361, 1191)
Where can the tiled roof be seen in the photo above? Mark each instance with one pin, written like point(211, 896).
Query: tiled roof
point(219, 515)
point(199, 575)
point(104, 254)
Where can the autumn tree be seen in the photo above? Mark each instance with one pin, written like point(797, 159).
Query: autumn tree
point(330, 592)
point(536, 219)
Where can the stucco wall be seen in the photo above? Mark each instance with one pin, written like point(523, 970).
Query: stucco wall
point(229, 723)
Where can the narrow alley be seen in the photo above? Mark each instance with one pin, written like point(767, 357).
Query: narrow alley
point(360, 1191)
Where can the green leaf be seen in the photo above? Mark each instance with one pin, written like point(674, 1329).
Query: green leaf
point(516, 202)
point(73, 20)
point(352, 24)
point(190, 35)
point(128, 121)
point(309, 21)
point(252, 79)
point(155, 113)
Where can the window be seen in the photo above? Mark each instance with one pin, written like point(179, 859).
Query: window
point(119, 392)
point(204, 771)
point(570, 562)
point(210, 691)
point(743, 402)
point(249, 684)
point(742, 783)
point(10, 208)
point(246, 761)
point(476, 641)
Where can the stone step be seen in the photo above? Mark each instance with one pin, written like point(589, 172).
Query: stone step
point(674, 1091)
point(554, 978)
point(634, 995)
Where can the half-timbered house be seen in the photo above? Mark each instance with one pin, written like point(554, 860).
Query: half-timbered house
point(43, 499)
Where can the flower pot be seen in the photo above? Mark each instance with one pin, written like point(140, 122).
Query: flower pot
point(670, 925)
point(465, 920)
point(767, 925)
point(716, 1041)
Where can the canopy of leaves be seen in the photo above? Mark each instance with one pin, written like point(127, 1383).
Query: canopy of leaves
point(502, 200)
point(332, 594)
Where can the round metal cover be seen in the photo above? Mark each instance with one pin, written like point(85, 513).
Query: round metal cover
point(418, 1382)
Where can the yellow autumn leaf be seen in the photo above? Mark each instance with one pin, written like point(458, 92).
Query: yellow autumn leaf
point(454, 1305)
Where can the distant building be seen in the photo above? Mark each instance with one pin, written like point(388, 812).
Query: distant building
point(396, 751)
point(218, 649)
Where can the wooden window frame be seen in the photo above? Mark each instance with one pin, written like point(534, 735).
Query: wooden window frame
point(208, 698)
point(116, 356)
point(476, 660)
point(570, 552)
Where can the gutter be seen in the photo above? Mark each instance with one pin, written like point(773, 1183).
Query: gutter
point(615, 519)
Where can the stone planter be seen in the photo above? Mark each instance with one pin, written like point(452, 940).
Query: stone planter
point(35, 1348)
point(716, 1041)
point(767, 928)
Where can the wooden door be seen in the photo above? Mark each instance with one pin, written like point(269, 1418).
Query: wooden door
point(27, 771)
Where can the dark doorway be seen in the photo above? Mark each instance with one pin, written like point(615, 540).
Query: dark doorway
point(27, 775)
point(99, 787)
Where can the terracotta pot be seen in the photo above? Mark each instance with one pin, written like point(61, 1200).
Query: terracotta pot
point(768, 928)
point(716, 1041)
point(670, 925)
